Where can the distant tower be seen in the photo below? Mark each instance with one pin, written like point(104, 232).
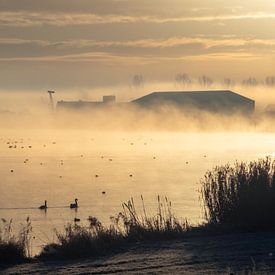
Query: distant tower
point(51, 99)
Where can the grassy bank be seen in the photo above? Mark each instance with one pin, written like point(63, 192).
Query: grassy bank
point(15, 248)
point(127, 227)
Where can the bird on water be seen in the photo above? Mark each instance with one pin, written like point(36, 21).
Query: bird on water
point(74, 205)
point(44, 207)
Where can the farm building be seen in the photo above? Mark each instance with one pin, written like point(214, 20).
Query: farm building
point(87, 105)
point(211, 101)
point(225, 102)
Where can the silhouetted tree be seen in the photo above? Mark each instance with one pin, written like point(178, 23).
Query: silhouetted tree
point(270, 81)
point(251, 81)
point(183, 79)
point(138, 80)
point(205, 81)
point(228, 82)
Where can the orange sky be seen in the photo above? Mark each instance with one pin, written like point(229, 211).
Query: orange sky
point(68, 44)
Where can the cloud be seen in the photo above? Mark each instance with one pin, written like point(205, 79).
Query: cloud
point(204, 41)
point(18, 41)
point(27, 19)
point(112, 59)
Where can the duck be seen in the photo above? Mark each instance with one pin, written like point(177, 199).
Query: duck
point(74, 205)
point(43, 207)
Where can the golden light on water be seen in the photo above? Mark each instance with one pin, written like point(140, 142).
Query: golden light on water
point(126, 49)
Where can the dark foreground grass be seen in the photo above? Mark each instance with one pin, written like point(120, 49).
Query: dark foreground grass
point(241, 196)
point(126, 228)
point(14, 249)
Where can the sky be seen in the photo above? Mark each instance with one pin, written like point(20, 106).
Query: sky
point(83, 44)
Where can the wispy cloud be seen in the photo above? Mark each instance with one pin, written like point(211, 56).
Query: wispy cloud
point(205, 42)
point(112, 59)
point(25, 19)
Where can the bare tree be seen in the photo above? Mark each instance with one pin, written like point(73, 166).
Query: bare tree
point(228, 82)
point(251, 81)
point(138, 80)
point(183, 79)
point(205, 81)
point(270, 81)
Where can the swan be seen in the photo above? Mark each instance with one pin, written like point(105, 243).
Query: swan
point(43, 207)
point(74, 205)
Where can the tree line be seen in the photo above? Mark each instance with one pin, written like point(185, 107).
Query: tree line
point(184, 80)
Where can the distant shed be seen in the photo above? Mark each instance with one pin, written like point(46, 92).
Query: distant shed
point(107, 101)
point(222, 101)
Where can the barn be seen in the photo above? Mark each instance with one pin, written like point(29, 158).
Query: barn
point(221, 101)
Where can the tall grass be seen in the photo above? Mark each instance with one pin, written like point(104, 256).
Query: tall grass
point(15, 248)
point(127, 227)
point(241, 195)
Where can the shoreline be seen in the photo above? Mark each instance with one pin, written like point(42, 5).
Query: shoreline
point(238, 252)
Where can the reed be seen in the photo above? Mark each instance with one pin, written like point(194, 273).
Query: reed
point(242, 195)
point(127, 227)
point(15, 248)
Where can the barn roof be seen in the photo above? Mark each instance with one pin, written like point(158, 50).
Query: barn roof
point(201, 96)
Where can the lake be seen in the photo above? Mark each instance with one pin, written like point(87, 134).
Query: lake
point(61, 165)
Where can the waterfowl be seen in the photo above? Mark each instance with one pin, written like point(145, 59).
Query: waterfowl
point(43, 207)
point(74, 205)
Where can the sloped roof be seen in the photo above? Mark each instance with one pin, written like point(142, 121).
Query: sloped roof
point(194, 96)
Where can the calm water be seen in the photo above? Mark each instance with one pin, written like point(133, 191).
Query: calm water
point(61, 165)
